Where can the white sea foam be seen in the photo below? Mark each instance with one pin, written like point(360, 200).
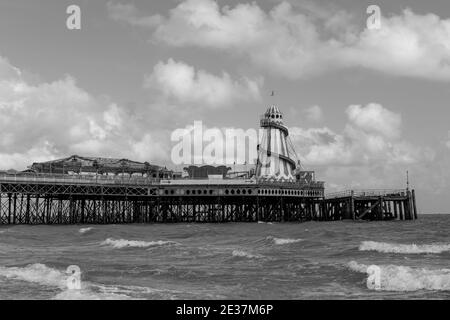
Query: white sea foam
point(281, 241)
point(84, 230)
point(35, 273)
point(89, 294)
point(403, 278)
point(245, 254)
point(94, 291)
point(123, 243)
point(403, 248)
point(41, 274)
point(128, 291)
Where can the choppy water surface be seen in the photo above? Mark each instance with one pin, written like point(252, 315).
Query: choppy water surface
point(314, 260)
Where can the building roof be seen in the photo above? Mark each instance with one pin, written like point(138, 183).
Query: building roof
point(273, 109)
point(274, 115)
point(82, 161)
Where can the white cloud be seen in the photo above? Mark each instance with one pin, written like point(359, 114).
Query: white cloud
point(44, 120)
point(151, 147)
point(372, 136)
point(18, 160)
point(376, 119)
point(370, 152)
point(47, 120)
point(296, 44)
point(183, 83)
point(408, 44)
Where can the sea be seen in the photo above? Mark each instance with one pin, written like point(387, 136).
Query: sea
point(311, 260)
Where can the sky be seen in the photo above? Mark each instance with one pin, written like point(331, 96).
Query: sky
point(363, 106)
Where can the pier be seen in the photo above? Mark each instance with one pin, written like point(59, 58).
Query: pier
point(93, 190)
point(66, 199)
point(371, 205)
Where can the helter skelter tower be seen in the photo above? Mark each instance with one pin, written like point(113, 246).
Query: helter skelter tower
point(276, 155)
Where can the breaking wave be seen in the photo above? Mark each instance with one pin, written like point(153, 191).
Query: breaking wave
point(104, 292)
point(123, 243)
point(281, 241)
point(245, 254)
point(403, 248)
point(41, 274)
point(403, 278)
point(84, 230)
point(35, 273)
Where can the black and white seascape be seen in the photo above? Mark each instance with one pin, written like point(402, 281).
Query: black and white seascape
point(218, 149)
point(228, 261)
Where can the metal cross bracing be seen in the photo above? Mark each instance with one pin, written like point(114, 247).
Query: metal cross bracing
point(21, 206)
point(64, 189)
point(37, 203)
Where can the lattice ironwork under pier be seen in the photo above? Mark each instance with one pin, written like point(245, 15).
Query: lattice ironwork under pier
point(51, 202)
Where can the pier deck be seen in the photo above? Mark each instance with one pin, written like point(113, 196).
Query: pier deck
point(77, 199)
point(371, 205)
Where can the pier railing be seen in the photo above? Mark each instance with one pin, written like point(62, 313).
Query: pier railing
point(366, 193)
point(46, 178)
point(76, 179)
point(296, 184)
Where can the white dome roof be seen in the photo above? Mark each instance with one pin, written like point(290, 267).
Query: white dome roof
point(274, 114)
